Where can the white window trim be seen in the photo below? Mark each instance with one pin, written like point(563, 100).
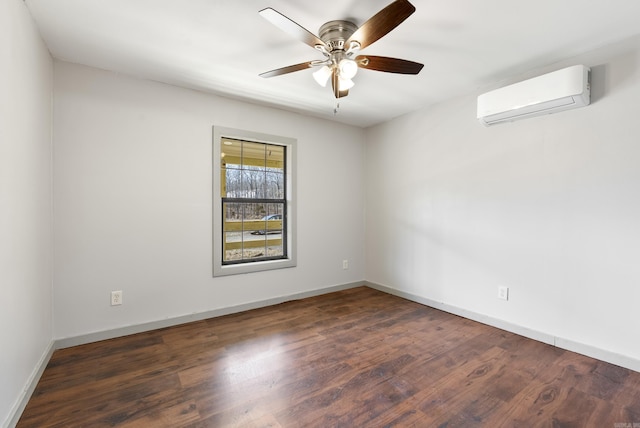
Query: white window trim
point(290, 176)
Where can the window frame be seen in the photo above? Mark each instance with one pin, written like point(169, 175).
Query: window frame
point(220, 269)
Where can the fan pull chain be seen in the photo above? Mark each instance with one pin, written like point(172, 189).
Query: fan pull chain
point(335, 110)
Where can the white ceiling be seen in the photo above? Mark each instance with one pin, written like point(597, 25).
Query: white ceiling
point(221, 46)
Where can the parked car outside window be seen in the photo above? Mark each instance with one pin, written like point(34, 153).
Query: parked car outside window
point(266, 218)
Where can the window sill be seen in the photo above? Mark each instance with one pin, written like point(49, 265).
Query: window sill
point(241, 268)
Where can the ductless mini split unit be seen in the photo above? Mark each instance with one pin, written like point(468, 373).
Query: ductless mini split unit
point(550, 93)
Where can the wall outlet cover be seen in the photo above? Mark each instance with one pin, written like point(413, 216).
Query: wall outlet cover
point(116, 298)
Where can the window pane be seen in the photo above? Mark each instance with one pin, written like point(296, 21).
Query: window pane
point(275, 248)
point(254, 247)
point(253, 156)
point(232, 246)
point(275, 157)
point(273, 218)
point(245, 174)
point(252, 231)
point(274, 177)
point(232, 214)
point(230, 164)
point(231, 152)
point(253, 184)
point(253, 213)
point(274, 184)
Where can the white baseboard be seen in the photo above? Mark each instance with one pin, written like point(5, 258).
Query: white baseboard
point(570, 345)
point(30, 386)
point(154, 325)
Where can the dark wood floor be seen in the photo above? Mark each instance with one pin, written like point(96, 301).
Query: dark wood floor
point(354, 358)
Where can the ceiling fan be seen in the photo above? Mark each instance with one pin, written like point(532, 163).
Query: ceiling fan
point(340, 42)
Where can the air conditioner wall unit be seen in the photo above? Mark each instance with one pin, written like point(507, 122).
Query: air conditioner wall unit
point(564, 89)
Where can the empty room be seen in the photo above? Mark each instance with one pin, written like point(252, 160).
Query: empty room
point(339, 214)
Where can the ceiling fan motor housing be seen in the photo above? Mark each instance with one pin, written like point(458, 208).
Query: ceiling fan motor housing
point(335, 33)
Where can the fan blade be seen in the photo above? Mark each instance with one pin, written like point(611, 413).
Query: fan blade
point(292, 28)
point(289, 69)
point(382, 23)
point(336, 86)
point(389, 65)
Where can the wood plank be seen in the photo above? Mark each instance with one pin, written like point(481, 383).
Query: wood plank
point(253, 244)
point(356, 357)
point(250, 225)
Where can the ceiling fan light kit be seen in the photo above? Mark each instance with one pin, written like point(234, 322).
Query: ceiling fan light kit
point(340, 41)
point(345, 84)
point(347, 68)
point(322, 75)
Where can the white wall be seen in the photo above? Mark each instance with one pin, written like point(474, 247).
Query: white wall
point(549, 207)
point(25, 203)
point(132, 196)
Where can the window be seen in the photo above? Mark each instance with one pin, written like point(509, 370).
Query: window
point(253, 192)
point(253, 209)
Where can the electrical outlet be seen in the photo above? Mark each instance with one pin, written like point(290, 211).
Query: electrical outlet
point(503, 293)
point(345, 264)
point(116, 298)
